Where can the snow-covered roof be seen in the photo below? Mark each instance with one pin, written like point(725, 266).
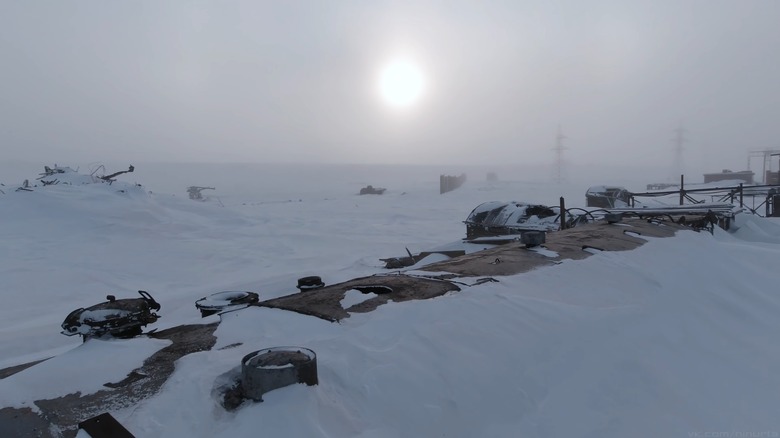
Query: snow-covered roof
point(604, 189)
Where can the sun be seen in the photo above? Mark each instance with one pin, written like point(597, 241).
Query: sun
point(401, 84)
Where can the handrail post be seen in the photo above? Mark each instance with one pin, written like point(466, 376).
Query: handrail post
point(563, 214)
point(682, 188)
point(767, 204)
point(741, 202)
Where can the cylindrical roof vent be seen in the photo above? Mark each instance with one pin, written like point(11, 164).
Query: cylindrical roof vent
point(271, 368)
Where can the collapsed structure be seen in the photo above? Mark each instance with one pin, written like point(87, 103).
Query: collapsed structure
point(607, 197)
point(497, 218)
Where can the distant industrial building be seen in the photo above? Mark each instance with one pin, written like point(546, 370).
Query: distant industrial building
point(726, 175)
point(772, 178)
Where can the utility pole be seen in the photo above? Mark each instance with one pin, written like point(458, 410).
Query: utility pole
point(559, 148)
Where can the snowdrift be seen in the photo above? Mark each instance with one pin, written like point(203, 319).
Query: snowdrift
point(675, 338)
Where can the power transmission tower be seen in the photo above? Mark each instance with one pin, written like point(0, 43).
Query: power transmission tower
point(679, 140)
point(559, 148)
point(766, 158)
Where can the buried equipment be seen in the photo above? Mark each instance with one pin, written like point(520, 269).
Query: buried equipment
point(533, 238)
point(117, 318)
point(613, 218)
point(220, 301)
point(312, 282)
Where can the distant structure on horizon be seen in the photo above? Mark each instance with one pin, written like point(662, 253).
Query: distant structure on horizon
point(448, 183)
point(727, 175)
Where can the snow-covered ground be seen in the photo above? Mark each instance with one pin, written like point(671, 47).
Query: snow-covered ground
point(675, 338)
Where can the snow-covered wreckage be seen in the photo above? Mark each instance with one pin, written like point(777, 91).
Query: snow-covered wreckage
point(607, 197)
point(122, 318)
point(496, 218)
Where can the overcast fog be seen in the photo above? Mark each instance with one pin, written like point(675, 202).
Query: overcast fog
point(289, 81)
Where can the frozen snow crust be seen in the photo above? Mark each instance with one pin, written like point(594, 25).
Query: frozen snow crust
point(674, 338)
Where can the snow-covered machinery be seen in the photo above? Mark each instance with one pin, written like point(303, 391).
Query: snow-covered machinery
point(371, 190)
point(122, 318)
point(195, 192)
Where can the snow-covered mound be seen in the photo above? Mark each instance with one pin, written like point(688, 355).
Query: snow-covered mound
point(653, 340)
point(87, 369)
point(758, 230)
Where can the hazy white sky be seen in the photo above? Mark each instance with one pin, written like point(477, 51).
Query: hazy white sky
point(280, 81)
